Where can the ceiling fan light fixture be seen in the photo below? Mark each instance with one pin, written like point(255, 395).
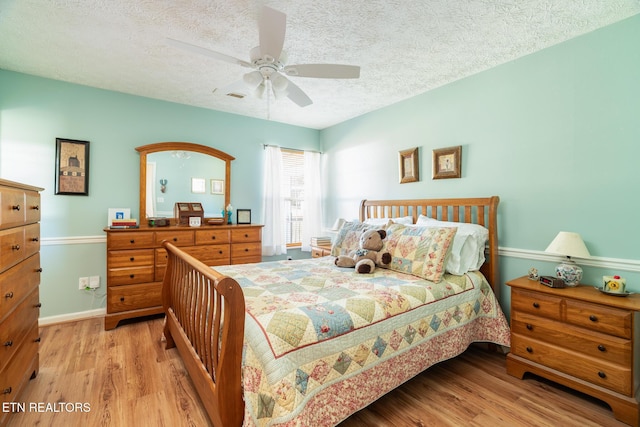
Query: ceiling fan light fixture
point(279, 83)
point(253, 79)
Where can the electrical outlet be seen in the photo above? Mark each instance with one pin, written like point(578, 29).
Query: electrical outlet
point(94, 282)
point(83, 283)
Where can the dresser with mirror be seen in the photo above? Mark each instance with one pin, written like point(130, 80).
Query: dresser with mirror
point(173, 172)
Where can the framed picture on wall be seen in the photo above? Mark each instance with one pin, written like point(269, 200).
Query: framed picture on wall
point(72, 167)
point(217, 186)
point(447, 162)
point(198, 185)
point(409, 165)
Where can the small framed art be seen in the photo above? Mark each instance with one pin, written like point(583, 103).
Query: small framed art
point(409, 165)
point(447, 162)
point(243, 216)
point(198, 185)
point(72, 167)
point(217, 186)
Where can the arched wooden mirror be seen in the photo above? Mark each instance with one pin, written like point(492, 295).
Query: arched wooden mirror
point(173, 172)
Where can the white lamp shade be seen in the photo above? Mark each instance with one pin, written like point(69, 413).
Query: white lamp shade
point(253, 79)
point(568, 244)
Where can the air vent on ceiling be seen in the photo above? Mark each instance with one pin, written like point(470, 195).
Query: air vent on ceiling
point(236, 95)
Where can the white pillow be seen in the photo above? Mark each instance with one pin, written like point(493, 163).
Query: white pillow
point(467, 252)
point(406, 220)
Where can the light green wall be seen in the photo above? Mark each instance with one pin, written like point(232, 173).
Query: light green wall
point(35, 111)
point(555, 134)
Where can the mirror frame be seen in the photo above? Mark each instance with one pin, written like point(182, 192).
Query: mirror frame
point(144, 150)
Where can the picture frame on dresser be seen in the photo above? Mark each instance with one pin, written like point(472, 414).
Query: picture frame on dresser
point(72, 167)
point(243, 216)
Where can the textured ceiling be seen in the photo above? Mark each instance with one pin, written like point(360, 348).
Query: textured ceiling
point(404, 47)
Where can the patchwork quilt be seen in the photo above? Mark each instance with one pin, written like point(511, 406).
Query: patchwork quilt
point(322, 342)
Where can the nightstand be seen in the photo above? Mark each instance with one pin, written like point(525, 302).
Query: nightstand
point(581, 338)
point(320, 251)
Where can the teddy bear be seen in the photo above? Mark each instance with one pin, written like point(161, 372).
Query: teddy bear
point(368, 254)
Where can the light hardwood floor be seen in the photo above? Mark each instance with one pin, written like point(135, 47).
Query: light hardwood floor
point(127, 378)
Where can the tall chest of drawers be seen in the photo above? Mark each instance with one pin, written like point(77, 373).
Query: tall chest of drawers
point(581, 338)
point(19, 279)
point(136, 261)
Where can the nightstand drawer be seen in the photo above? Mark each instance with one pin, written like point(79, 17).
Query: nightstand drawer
point(611, 376)
point(600, 318)
point(600, 346)
point(134, 258)
point(536, 303)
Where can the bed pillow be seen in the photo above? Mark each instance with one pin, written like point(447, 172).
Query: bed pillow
point(348, 238)
point(384, 221)
point(420, 251)
point(467, 252)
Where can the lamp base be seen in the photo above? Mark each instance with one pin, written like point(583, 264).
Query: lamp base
point(569, 272)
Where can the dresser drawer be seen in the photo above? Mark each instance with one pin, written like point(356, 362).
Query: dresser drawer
point(17, 282)
point(126, 276)
point(207, 237)
point(129, 240)
point(31, 239)
point(32, 203)
point(132, 258)
point(211, 255)
point(536, 303)
point(597, 317)
point(178, 238)
point(132, 297)
point(16, 326)
point(15, 375)
point(611, 376)
point(12, 249)
point(240, 250)
point(13, 207)
point(598, 345)
point(246, 235)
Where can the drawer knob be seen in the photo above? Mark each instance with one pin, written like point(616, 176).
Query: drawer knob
point(536, 305)
point(7, 390)
point(529, 327)
point(246, 235)
point(8, 343)
point(213, 237)
point(9, 295)
point(38, 305)
point(37, 339)
point(529, 350)
point(220, 252)
point(15, 207)
point(246, 250)
point(132, 241)
point(131, 276)
point(39, 270)
point(175, 239)
point(35, 207)
point(121, 299)
point(132, 259)
point(15, 247)
point(602, 374)
point(35, 239)
point(593, 318)
point(602, 347)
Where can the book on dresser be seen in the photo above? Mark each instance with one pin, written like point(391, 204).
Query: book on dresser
point(321, 241)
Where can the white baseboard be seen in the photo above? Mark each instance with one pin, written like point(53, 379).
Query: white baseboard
point(72, 317)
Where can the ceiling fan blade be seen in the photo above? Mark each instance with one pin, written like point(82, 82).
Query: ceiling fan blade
point(297, 95)
point(207, 52)
point(326, 71)
point(273, 25)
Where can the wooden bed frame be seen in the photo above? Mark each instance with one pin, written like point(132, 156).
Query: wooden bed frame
point(205, 311)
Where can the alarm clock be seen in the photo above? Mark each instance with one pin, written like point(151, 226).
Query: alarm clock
point(552, 282)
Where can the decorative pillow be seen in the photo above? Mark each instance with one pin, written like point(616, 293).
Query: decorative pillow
point(348, 238)
point(384, 221)
point(467, 253)
point(420, 251)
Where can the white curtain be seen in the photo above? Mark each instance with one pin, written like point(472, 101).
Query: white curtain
point(151, 190)
point(274, 238)
point(312, 207)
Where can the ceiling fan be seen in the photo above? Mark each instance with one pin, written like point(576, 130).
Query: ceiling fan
point(268, 62)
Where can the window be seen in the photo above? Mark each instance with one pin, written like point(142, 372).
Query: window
point(293, 194)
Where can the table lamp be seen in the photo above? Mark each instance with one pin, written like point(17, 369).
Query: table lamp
point(570, 245)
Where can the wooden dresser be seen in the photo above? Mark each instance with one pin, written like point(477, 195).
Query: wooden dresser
point(136, 261)
point(581, 338)
point(19, 279)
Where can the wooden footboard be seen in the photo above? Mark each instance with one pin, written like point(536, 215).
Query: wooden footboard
point(205, 315)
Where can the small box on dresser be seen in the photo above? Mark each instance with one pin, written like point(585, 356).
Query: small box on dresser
point(581, 338)
point(19, 297)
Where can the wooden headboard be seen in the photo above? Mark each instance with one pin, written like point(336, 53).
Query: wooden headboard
point(476, 210)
